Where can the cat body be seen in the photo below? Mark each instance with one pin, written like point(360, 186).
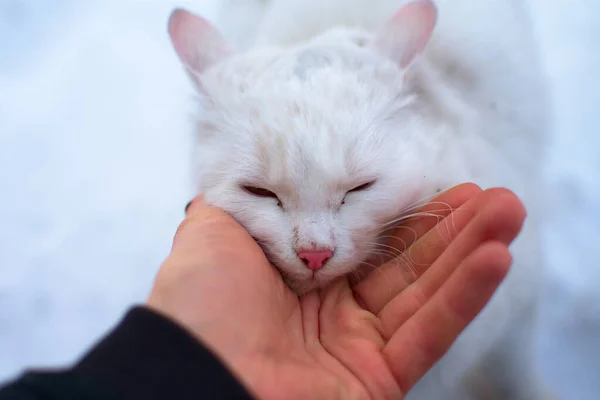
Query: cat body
point(332, 116)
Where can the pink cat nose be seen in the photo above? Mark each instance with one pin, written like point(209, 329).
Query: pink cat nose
point(315, 260)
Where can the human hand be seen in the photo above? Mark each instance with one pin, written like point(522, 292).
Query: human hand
point(218, 284)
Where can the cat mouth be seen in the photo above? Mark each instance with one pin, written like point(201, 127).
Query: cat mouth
point(311, 279)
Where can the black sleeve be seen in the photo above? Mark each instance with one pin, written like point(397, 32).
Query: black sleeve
point(145, 357)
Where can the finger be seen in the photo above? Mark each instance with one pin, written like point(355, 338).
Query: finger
point(344, 325)
point(390, 279)
point(500, 219)
point(410, 231)
point(430, 215)
point(195, 204)
point(201, 221)
point(426, 337)
point(187, 206)
point(210, 236)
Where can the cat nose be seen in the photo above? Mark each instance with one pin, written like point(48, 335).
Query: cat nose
point(315, 260)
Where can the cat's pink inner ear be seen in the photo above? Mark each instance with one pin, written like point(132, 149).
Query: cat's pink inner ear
point(406, 34)
point(197, 43)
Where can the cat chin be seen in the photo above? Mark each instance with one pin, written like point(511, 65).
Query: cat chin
point(302, 286)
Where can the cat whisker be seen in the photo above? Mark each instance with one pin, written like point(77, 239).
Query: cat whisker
point(422, 201)
point(394, 237)
point(386, 246)
point(418, 206)
point(390, 287)
point(386, 254)
point(405, 215)
point(376, 270)
point(415, 236)
point(396, 256)
point(356, 273)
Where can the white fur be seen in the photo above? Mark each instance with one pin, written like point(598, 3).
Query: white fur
point(315, 109)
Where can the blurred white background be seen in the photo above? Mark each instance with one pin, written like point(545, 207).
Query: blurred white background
point(94, 148)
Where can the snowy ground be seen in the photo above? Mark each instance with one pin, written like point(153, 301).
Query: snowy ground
point(93, 176)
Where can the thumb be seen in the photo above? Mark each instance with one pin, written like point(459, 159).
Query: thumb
point(212, 233)
point(200, 219)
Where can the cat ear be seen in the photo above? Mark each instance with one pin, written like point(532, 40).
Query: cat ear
point(198, 44)
point(406, 34)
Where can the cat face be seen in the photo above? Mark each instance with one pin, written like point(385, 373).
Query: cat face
point(312, 149)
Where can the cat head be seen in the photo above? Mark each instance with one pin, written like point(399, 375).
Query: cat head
point(313, 149)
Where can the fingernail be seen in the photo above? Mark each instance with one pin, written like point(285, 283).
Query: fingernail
point(187, 206)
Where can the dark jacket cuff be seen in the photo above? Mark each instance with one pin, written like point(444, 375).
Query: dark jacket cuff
point(148, 356)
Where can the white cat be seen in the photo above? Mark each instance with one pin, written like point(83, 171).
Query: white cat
point(333, 115)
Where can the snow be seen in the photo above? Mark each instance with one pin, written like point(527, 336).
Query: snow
point(94, 151)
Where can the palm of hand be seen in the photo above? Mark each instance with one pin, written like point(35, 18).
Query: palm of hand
point(325, 345)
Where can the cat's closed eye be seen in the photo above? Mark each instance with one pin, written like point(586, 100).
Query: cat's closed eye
point(364, 186)
point(359, 188)
point(261, 192)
